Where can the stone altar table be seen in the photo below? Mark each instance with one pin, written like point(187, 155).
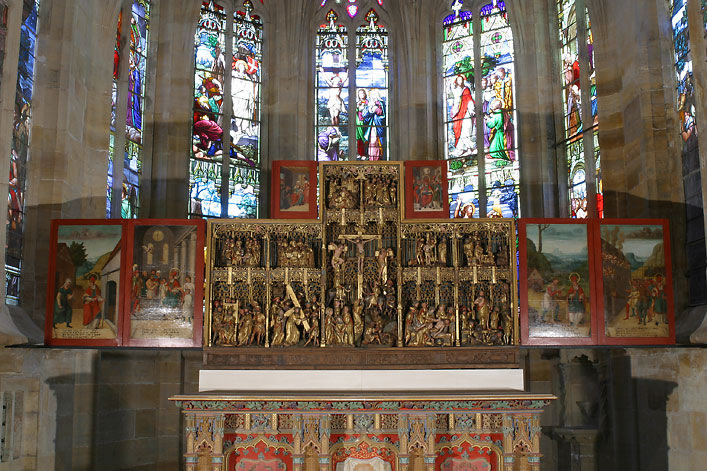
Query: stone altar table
point(373, 431)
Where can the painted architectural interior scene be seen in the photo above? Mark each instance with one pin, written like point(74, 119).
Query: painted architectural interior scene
point(162, 282)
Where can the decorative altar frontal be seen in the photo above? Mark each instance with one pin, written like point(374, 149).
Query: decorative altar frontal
point(375, 432)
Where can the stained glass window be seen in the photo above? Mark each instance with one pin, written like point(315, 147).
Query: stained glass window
point(692, 176)
point(135, 86)
point(338, 79)
point(19, 151)
point(113, 107)
point(226, 184)
point(482, 153)
point(580, 123)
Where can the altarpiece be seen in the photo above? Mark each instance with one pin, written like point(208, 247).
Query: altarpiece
point(361, 275)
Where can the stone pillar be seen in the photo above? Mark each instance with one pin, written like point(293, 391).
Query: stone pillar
point(217, 453)
point(324, 434)
point(190, 458)
point(534, 433)
point(582, 444)
point(297, 455)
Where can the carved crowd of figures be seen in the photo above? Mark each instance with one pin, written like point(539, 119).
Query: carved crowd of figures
point(241, 252)
point(369, 320)
point(294, 253)
point(484, 322)
point(238, 324)
point(380, 191)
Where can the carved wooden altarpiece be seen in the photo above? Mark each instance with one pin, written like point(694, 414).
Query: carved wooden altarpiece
point(361, 286)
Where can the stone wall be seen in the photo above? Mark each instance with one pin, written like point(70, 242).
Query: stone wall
point(90, 409)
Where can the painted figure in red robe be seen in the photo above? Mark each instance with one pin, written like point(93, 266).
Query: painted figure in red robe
point(92, 301)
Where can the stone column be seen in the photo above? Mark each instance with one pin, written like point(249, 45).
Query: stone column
point(431, 431)
point(217, 453)
point(582, 444)
point(297, 456)
point(324, 434)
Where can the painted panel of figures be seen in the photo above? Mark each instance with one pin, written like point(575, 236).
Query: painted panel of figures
point(427, 189)
point(163, 289)
point(296, 182)
point(85, 283)
point(132, 282)
point(636, 282)
point(557, 282)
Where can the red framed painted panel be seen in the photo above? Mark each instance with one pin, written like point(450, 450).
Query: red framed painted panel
point(557, 282)
point(294, 189)
point(635, 295)
point(163, 298)
point(84, 286)
point(426, 189)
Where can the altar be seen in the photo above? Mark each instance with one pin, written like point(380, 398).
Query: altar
point(381, 432)
point(363, 331)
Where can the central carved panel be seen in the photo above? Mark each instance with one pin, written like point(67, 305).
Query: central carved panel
point(362, 276)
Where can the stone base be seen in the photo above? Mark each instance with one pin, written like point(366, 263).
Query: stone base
point(361, 358)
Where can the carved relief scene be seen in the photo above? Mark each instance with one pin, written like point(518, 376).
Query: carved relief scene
point(362, 276)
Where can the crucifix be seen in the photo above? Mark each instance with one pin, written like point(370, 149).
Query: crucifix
point(360, 240)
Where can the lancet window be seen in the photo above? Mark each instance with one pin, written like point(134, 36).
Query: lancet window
point(481, 144)
point(579, 139)
point(224, 163)
point(352, 97)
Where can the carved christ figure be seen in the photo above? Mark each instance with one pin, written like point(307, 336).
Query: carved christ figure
point(360, 241)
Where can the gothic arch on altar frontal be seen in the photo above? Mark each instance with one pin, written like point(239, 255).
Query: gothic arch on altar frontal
point(469, 452)
point(257, 454)
point(365, 454)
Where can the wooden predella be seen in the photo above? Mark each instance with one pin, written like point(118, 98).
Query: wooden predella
point(361, 286)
